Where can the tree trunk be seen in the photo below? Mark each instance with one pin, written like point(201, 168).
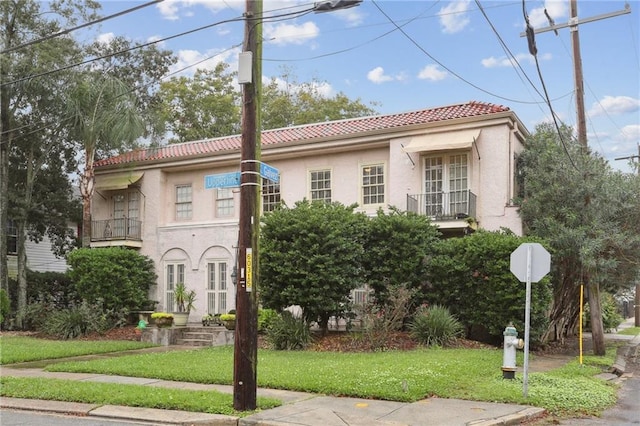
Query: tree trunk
point(565, 310)
point(22, 272)
point(86, 191)
point(597, 329)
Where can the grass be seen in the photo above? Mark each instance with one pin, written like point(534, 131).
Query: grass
point(209, 401)
point(630, 331)
point(399, 376)
point(24, 349)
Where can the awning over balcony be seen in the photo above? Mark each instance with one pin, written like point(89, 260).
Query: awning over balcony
point(116, 182)
point(461, 139)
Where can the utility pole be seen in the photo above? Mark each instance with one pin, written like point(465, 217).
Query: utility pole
point(246, 333)
point(636, 304)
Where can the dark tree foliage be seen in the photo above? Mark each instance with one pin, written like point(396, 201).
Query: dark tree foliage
point(310, 256)
point(121, 278)
point(471, 276)
point(396, 246)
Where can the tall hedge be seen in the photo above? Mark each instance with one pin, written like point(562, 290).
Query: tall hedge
point(471, 277)
point(120, 277)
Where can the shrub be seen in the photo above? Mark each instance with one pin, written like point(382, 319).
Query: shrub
point(5, 307)
point(288, 333)
point(265, 319)
point(120, 277)
point(75, 321)
point(157, 315)
point(380, 322)
point(434, 325)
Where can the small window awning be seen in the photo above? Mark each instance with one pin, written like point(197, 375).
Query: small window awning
point(116, 182)
point(461, 139)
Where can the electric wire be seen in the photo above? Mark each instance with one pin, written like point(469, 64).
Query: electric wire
point(415, 43)
point(87, 24)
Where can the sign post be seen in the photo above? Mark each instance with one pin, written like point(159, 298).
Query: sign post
point(530, 262)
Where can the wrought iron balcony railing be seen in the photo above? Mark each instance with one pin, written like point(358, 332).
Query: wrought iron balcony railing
point(116, 229)
point(453, 205)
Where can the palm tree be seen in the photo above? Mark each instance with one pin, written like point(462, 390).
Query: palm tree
point(104, 117)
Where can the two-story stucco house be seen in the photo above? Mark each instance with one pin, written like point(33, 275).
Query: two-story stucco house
point(450, 163)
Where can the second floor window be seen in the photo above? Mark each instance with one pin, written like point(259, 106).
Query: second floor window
point(270, 195)
point(373, 184)
point(321, 185)
point(224, 202)
point(184, 205)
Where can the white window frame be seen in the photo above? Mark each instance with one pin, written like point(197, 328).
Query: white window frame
point(174, 273)
point(367, 187)
point(184, 202)
point(451, 182)
point(225, 203)
point(217, 285)
point(270, 195)
point(319, 192)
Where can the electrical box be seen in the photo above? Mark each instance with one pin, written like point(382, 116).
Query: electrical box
point(245, 67)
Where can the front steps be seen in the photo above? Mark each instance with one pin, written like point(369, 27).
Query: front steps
point(192, 335)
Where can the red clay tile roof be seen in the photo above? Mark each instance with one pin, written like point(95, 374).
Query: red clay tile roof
point(350, 126)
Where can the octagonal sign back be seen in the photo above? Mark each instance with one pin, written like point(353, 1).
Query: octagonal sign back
point(540, 262)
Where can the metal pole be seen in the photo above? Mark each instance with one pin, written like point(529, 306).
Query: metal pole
point(527, 322)
point(246, 335)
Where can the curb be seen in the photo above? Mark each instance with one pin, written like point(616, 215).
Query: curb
point(525, 415)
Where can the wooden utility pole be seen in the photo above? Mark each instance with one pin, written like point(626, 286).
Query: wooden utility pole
point(245, 358)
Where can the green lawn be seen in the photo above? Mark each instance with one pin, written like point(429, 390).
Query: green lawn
point(395, 375)
point(630, 331)
point(22, 349)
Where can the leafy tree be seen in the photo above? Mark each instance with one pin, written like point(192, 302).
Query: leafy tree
point(310, 256)
point(396, 246)
point(588, 214)
point(204, 106)
point(118, 277)
point(471, 276)
point(104, 117)
point(31, 117)
point(287, 102)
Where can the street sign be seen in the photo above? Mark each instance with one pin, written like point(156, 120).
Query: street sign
point(540, 262)
point(222, 180)
point(530, 262)
point(269, 172)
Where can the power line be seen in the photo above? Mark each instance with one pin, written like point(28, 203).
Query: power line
point(87, 24)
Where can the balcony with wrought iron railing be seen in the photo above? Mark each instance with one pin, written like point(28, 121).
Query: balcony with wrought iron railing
point(443, 206)
point(123, 231)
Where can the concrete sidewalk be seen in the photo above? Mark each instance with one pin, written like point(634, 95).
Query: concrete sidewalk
point(300, 409)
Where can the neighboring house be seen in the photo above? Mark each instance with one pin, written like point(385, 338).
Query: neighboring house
point(40, 257)
point(452, 163)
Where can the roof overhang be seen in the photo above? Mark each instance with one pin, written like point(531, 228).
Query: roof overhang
point(445, 141)
point(117, 182)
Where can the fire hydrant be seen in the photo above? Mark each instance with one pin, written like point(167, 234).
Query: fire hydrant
point(511, 343)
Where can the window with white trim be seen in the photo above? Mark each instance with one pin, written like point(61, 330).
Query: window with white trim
point(174, 274)
point(373, 184)
point(446, 185)
point(217, 285)
point(270, 195)
point(224, 202)
point(320, 181)
point(184, 204)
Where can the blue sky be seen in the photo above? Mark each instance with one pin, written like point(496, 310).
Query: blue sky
point(446, 52)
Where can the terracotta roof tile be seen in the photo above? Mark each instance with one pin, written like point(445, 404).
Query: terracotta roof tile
point(350, 127)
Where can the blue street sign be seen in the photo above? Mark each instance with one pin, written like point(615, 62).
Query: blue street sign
point(269, 172)
point(222, 180)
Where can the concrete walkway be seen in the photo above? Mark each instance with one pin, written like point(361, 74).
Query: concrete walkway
point(300, 409)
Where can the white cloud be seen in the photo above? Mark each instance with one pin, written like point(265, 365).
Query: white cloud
point(323, 88)
point(352, 16)
point(614, 105)
point(169, 9)
point(630, 133)
point(378, 76)
point(186, 58)
point(555, 8)
point(173, 9)
point(493, 62)
point(432, 72)
point(282, 34)
point(453, 17)
point(105, 38)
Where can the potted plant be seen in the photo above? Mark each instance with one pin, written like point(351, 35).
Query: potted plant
point(207, 320)
point(229, 320)
point(162, 319)
point(185, 300)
